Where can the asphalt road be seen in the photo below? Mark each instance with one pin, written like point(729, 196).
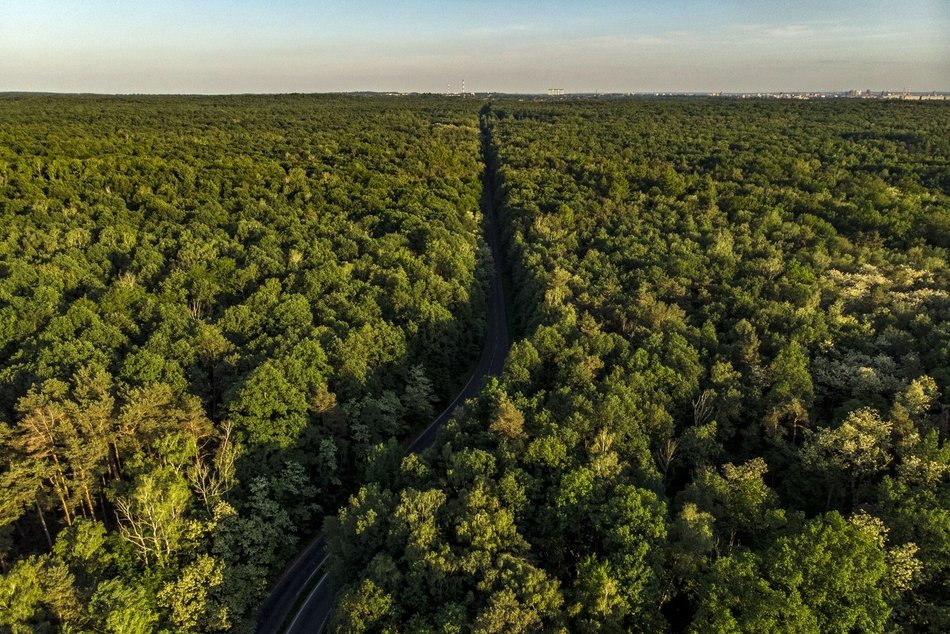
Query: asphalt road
point(314, 611)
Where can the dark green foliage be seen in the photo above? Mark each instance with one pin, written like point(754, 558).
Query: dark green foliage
point(729, 408)
point(827, 577)
point(211, 311)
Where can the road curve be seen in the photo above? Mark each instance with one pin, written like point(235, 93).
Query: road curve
point(277, 612)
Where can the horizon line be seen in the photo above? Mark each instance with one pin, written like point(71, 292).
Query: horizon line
point(603, 93)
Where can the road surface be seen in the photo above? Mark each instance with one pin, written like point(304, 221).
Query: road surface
point(278, 611)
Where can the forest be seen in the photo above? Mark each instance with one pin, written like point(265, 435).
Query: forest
point(213, 313)
point(727, 410)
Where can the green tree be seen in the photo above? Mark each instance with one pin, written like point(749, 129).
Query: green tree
point(153, 516)
point(266, 409)
point(850, 453)
point(120, 607)
point(190, 598)
point(739, 499)
point(364, 609)
point(792, 390)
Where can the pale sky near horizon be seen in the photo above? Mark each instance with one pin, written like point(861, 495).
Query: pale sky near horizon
point(263, 46)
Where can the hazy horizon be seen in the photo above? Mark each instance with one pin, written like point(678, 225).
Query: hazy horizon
point(285, 46)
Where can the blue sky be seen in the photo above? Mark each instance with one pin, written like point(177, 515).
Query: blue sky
point(217, 46)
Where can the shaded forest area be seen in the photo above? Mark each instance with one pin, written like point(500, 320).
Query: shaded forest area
point(729, 411)
point(214, 313)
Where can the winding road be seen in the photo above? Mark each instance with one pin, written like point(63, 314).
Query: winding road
point(278, 612)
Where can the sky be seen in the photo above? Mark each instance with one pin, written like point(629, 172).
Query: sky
point(267, 46)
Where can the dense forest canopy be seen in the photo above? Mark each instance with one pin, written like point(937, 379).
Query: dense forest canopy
point(213, 313)
point(729, 408)
point(726, 410)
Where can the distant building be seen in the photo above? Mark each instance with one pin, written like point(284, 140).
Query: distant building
point(555, 92)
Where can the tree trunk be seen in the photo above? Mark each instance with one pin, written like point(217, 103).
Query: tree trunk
point(62, 501)
point(117, 466)
point(102, 501)
point(39, 512)
point(92, 507)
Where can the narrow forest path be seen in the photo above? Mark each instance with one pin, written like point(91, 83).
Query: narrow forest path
point(283, 611)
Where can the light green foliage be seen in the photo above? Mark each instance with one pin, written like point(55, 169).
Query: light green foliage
point(21, 596)
point(118, 608)
point(693, 540)
point(698, 444)
point(838, 570)
point(735, 598)
point(507, 420)
point(189, 598)
point(36, 593)
point(505, 613)
point(917, 513)
point(268, 409)
point(599, 598)
point(912, 406)
point(153, 516)
point(829, 577)
point(359, 529)
point(84, 546)
point(738, 498)
point(364, 609)
point(852, 452)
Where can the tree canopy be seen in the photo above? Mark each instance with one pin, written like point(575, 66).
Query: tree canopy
point(212, 311)
point(730, 396)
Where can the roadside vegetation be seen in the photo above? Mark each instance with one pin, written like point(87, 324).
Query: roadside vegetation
point(213, 311)
point(729, 411)
point(726, 409)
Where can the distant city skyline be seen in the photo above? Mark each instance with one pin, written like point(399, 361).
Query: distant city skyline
point(260, 46)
